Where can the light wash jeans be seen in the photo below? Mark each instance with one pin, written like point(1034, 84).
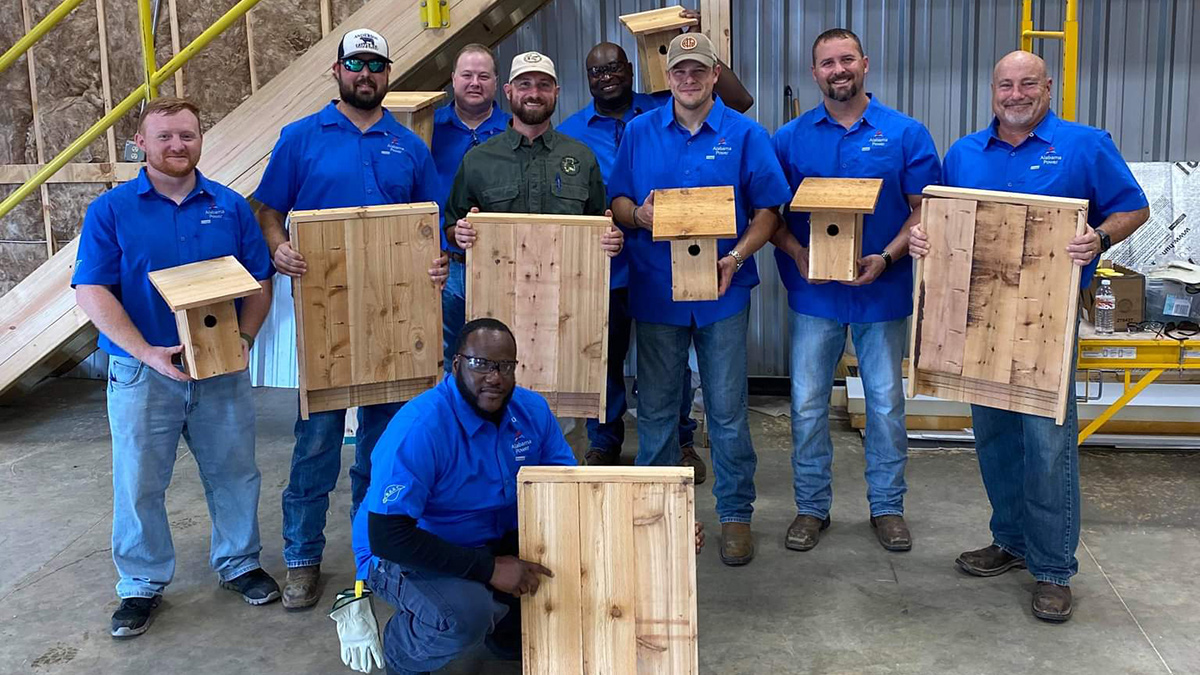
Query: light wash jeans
point(817, 346)
point(721, 356)
point(147, 414)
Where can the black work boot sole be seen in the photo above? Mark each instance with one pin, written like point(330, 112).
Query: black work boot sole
point(1016, 563)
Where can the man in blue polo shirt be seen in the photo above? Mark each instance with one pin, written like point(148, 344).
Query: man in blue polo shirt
point(470, 119)
point(600, 126)
point(852, 135)
point(170, 215)
point(351, 153)
point(1030, 465)
point(696, 141)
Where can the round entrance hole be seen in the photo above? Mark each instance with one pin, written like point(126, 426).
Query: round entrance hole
point(662, 49)
point(694, 249)
point(832, 230)
point(210, 321)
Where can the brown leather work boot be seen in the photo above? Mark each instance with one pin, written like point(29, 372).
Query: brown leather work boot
point(1052, 602)
point(737, 544)
point(690, 458)
point(598, 457)
point(892, 532)
point(988, 562)
point(303, 587)
point(804, 532)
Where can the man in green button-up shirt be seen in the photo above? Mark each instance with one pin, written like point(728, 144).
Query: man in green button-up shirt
point(530, 168)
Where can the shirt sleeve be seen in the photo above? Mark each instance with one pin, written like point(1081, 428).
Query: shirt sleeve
point(98, 261)
point(1112, 185)
point(620, 183)
point(921, 165)
point(253, 252)
point(597, 199)
point(950, 166)
point(427, 189)
point(764, 184)
point(278, 187)
point(782, 142)
point(459, 201)
point(554, 451)
point(404, 469)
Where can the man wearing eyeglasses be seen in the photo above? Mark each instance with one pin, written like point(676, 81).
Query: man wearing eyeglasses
point(471, 118)
point(600, 126)
point(351, 153)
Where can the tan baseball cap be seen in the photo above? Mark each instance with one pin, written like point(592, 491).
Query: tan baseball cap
point(691, 47)
point(531, 62)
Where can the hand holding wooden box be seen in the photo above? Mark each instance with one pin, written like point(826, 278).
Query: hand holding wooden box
point(836, 208)
point(693, 219)
point(654, 31)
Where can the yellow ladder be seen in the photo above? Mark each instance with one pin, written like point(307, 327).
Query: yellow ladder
point(1070, 38)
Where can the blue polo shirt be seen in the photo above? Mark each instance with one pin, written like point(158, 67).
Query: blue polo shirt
point(323, 161)
point(453, 471)
point(882, 144)
point(451, 141)
point(132, 230)
point(658, 153)
point(603, 134)
point(1059, 159)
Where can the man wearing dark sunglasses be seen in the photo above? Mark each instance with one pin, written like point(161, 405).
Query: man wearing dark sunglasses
point(351, 153)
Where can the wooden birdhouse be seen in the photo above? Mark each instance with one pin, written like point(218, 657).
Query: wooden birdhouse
point(201, 294)
point(693, 219)
point(414, 109)
point(654, 31)
point(836, 207)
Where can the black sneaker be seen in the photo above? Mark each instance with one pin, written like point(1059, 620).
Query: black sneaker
point(132, 618)
point(256, 586)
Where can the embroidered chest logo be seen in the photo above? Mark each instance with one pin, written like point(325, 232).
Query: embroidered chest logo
point(520, 444)
point(569, 165)
point(212, 213)
point(721, 149)
point(392, 492)
point(393, 146)
point(878, 140)
point(1049, 158)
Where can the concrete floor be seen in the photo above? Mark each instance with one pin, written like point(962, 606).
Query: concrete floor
point(846, 607)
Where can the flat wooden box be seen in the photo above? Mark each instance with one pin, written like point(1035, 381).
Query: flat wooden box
point(201, 294)
point(368, 319)
point(654, 30)
point(996, 300)
point(621, 544)
point(693, 219)
point(546, 278)
point(415, 110)
point(836, 207)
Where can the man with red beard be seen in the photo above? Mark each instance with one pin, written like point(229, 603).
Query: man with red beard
point(351, 153)
point(170, 215)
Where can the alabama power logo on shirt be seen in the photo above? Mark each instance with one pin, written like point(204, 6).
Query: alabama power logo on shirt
point(520, 444)
point(721, 149)
point(1049, 158)
point(878, 140)
point(393, 146)
point(212, 213)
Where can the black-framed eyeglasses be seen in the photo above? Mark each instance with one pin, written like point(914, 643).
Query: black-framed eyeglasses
point(484, 366)
point(355, 65)
point(613, 68)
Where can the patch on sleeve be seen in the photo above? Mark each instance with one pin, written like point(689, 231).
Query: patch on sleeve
point(392, 492)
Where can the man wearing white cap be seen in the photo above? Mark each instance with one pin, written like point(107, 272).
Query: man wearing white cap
point(350, 153)
point(531, 167)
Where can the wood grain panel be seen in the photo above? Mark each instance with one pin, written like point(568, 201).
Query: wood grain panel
point(538, 278)
point(552, 620)
point(607, 554)
point(695, 213)
point(583, 317)
point(1044, 294)
point(666, 615)
point(337, 336)
point(994, 299)
point(694, 270)
point(950, 225)
point(834, 246)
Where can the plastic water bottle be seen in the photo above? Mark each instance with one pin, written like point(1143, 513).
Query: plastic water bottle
point(1106, 306)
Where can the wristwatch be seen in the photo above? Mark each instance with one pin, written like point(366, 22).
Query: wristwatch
point(887, 258)
point(737, 257)
point(249, 340)
point(1105, 240)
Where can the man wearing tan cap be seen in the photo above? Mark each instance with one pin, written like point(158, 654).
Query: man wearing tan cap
point(530, 168)
point(696, 141)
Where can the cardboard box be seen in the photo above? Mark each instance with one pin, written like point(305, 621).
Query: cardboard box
point(1130, 289)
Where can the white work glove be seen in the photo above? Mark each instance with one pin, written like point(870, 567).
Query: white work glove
point(357, 631)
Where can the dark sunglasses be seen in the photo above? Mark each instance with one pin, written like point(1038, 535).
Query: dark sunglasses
point(484, 366)
point(613, 68)
point(356, 65)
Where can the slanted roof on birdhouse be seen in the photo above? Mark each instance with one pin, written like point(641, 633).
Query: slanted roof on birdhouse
point(656, 20)
point(695, 213)
point(204, 283)
point(838, 195)
point(412, 101)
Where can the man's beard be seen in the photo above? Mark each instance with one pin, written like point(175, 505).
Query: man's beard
point(534, 117)
point(349, 94)
point(473, 400)
point(163, 167)
point(845, 95)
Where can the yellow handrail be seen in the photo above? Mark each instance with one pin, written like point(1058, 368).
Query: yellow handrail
point(14, 52)
point(142, 92)
point(145, 16)
point(1070, 37)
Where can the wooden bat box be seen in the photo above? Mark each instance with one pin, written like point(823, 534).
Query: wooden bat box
point(201, 294)
point(995, 300)
point(368, 319)
point(621, 544)
point(693, 219)
point(546, 278)
point(415, 109)
point(654, 31)
point(836, 208)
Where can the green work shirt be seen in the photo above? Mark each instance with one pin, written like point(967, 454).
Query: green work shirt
point(508, 173)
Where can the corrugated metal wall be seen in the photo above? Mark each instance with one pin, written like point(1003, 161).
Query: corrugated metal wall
point(1139, 76)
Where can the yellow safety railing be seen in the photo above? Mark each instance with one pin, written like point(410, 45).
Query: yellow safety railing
point(1070, 38)
point(148, 90)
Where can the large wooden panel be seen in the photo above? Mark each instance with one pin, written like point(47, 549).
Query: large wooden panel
point(996, 300)
point(624, 538)
point(546, 278)
point(368, 320)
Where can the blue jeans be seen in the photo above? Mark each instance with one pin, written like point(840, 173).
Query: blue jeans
point(438, 617)
point(817, 346)
point(609, 435)
point(147, 414)
point(454, 310)
point(1030, 469)
point(721, 356)
point(316, 464)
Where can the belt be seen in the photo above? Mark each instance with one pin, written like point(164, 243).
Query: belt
point(456, 256)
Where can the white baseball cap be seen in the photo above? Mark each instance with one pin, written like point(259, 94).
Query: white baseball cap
point(363, 41)
point(531, 62)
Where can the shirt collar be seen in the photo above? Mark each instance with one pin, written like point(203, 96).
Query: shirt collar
point(203, 185)
point(870, 114)
point(637, 107)
point(331, 116)
point(470, 420)
point(1044, 131)
point(549, 138)
point(496, 118)
point(715, 118)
